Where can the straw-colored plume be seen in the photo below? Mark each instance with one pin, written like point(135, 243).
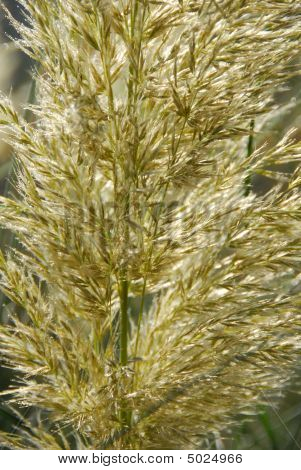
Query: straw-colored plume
point(160, 297)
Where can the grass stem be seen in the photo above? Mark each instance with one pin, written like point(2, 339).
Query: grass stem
point(248, 181)
point(124, 290)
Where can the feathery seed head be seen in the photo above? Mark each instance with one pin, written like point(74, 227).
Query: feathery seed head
point(160, 297)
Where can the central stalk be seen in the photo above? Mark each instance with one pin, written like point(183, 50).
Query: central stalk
point(124, 290)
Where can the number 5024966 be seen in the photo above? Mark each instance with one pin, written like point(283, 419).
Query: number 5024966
point(214, 458)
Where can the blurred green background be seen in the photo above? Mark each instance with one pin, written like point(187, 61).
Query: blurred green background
point(274, 427)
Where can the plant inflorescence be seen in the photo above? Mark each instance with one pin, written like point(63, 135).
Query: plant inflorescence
point(159, 295)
